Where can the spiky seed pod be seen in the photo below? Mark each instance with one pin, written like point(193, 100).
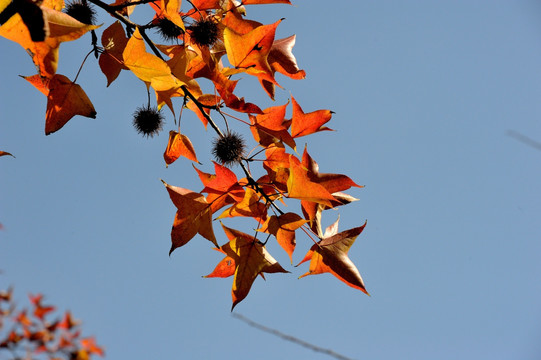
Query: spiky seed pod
point(228, 149)
point(204, 32)
point(148, 121)
point(168, 30)
point(80, 10)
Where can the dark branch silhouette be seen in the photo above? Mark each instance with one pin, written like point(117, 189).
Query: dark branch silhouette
point(290, 338)
point(524, 139)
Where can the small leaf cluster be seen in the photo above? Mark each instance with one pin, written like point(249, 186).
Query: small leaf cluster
point(30, 333)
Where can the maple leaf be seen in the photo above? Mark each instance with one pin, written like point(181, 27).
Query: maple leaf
point(330, 255)
point(299, 185)
point(148, 67)
point(268, 128)
point(193, 216)
point(251, 258)
point(305, 124)
point(225, 268)
point(332, 182)
point(178, 145)
point(282, 60)
point(40, 311)
point(260, 2)
point(277, 165)
point(114, 42)
point(62, 27)
point(250, 206)
point(283, 228)
point(222, 188)
point(249, 51)
point(5, 153)
point(65, 99)
point(89, 344)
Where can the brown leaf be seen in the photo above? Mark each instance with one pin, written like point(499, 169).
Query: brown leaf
point(193, 216)
point(251, 258)
point(283, 228)
point(331, 255)
point(114, 42)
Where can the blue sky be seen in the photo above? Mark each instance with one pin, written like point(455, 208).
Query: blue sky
point(425, 94)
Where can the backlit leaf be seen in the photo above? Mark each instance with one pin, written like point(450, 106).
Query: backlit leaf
point(193, 217)
point(331, 255)
point(178, 145)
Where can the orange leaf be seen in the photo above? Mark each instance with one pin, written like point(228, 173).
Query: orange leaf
point(251, 258)
point(89, 344)
point(39, 82)
point(148, 67)
point(305, 124)
point(178, 145)
point(225, 268)
point(40, 311)
point(250, 206)
point(332, 182)
point(331, 255)
point(193, 216)
point(65, 99)
point(4, 153)
point(114, 42)
point(268, 128)
point(283, 227)
point(277, 166)
point(255, 2)
point(223, 188)
point(282, 60)
point(62, 27)
point(299, 185)
point(249, 51)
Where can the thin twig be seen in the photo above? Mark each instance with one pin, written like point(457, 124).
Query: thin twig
point(524, 139)
point(290, 338)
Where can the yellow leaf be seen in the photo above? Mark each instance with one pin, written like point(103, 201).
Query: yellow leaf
point(148, 67)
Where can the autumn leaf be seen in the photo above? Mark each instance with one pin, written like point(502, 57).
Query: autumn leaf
point(332, 182)
point(222, 188)
point(148, 67)
point(277, 165)
point(89, 344)
point(62, 27)
point(65, 99)
point(250, 206)
point(330, 255)
point(282, 60)
point(40, 310)
point(225, 268)
point(305, 124)
point(5, 153)
point(251, 258)
point(260, 2)
point(193, 217)
point(178, 145)
point(114, 42)
point(283, 228)
point(299, 185)
point(268, 128)
point(249, 51)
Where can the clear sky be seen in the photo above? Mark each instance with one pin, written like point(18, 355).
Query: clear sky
point(427, 95)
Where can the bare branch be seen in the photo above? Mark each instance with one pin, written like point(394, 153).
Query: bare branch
point(290, 338)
